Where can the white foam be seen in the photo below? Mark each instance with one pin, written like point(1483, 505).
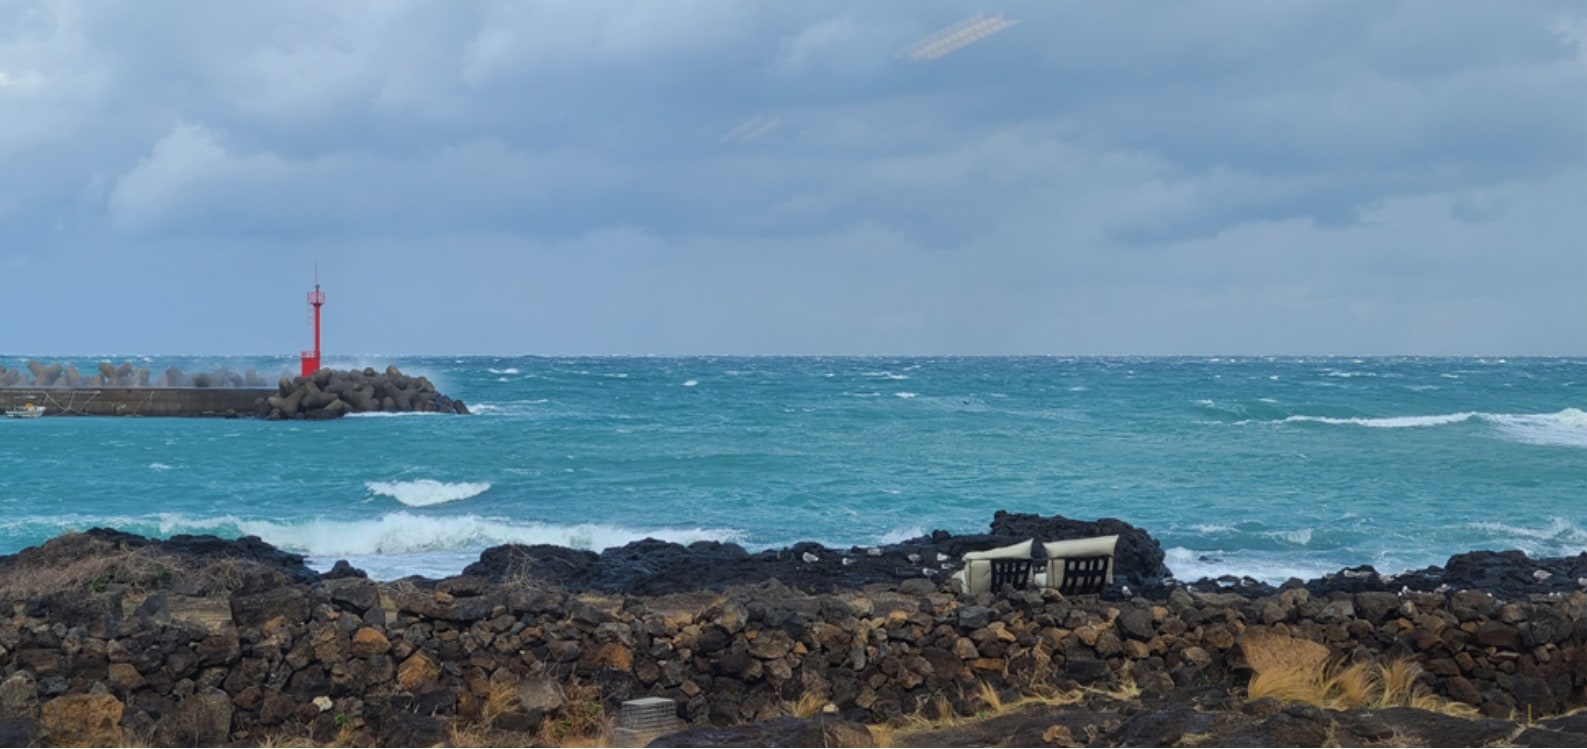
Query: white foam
point(1558, 529)
point(1567, 428)
point(907, 395)
point(690, 383)
point(392, 414)
point(1300, 537)
point(1392, 422)
point(159, 467)
point(900, 535)
point(1186, 564)
point(426, 492)
point(405, 533)
point(507, 371)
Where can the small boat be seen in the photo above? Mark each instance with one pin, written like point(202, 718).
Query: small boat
point(28, 411)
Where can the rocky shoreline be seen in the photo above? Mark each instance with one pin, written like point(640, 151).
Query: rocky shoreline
point(196, 640)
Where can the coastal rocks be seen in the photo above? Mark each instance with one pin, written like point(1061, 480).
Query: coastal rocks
point(652, 567)
point(1137, 559)
point(331, 393)
point(352, 661)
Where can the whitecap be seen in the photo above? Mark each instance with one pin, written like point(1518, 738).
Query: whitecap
point(159, 467)
point(507, 371)
point(1567, 428)
point(1392, 422)
point(393, 414)
point(900, 535)
point(426, 492)
point(405, 533)
point(690, 383)
point(1299, 537)
point(1558, 530)
point(907, 395)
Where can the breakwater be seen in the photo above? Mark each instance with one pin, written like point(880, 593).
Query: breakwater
point(229, 651)
point(112, 401)
point(127, 391)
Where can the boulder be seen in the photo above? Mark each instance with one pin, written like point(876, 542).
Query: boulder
point(82, 720)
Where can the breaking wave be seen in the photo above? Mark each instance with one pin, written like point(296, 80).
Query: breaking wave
point(1565, 428)
point(426, 492)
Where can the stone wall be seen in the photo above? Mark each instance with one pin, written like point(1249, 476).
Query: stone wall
point(383, 660)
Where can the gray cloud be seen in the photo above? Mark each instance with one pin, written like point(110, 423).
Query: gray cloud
point(1313, 177)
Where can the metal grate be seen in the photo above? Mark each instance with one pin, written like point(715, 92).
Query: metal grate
point(1084, 575)
point(640, 721)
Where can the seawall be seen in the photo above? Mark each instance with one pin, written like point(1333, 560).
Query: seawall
point(108, 401)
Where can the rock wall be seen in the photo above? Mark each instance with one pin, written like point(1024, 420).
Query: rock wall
point(333, 393)
point(36, 374)
point(391, 663)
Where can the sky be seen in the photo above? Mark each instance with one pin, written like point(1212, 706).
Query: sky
point(1315, 177)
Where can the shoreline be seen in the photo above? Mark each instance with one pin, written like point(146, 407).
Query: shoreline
point(199, 640)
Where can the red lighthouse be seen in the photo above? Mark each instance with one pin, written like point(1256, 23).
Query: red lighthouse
point(311, 359)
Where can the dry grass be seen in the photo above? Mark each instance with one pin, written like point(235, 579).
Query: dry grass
point(991, 699)
point(75, 561)
point(1289, 670)
point(809, 705)
point(583, 721)
point(502, 699)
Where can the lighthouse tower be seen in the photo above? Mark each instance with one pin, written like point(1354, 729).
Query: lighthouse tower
point(311, 359)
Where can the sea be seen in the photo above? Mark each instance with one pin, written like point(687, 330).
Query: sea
point(1266, 467)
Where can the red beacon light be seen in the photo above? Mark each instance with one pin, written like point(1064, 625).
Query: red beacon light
point(311, 359)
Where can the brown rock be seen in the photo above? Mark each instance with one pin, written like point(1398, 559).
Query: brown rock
point(125, 676)
point(417, 672)
point(613, 655)
point(82, 720)
point(368, 641)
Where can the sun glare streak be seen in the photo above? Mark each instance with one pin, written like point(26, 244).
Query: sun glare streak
point(956, 37)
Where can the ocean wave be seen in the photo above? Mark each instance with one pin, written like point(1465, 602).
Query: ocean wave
point(907, 395)
point(391, 414)
point(405, 533)
point(690, 383)
point(900, 535)
point(426, 492)
point(1565, 428)
point(159, 467)
point(1300, 537)
point(1272, 568)
point(507, 371)
point(1559, 530)
point(1391, 422)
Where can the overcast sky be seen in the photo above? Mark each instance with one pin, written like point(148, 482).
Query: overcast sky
point(737, 177)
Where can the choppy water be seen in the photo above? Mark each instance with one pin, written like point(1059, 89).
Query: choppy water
point(1262, 467)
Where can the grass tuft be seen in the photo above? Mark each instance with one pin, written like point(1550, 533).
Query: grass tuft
point(1290, 670)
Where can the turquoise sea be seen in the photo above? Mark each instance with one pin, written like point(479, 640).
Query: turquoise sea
point(1268, 467)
